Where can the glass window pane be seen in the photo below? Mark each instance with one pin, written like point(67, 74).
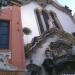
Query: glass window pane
point(4, 34)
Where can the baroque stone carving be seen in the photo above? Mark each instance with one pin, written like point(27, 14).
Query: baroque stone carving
point(60, 48)
point(49, 53)
point(68, 39)
point(26, 1)
point(34, 69)
point(60, 44)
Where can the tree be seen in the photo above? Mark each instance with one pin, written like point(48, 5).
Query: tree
point(26, 30)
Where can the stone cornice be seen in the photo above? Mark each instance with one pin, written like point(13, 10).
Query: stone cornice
point(68, 38)
point(63, 9)
point(45, 2)
point(67, 11)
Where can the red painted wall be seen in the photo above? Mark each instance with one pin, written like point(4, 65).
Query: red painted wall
point(16, 45)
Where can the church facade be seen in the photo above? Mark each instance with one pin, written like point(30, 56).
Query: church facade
point(45, 9)
point(50, 47)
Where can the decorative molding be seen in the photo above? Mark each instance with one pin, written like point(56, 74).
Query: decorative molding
point(57, 20)
point(59, 45)
point(58, 65)
point(51, 19)
point(57, 49)
point(49, 53)
point(60, 48)
point(68, 38)
point(26, 1)
point(54, 4)
point(43, 3)
point(33, 67)
point(61, 8)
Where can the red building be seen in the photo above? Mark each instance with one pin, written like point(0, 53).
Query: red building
point(11, 36)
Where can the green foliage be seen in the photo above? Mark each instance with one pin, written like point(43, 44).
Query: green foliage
point(26, 31)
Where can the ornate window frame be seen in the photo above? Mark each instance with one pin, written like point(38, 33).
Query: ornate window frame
point(44, 25)
point(56, 19)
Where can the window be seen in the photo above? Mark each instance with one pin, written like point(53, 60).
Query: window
point(4, 34)
point(39, 21)
point(52, 15)
point(46, 18)
point(56, 22)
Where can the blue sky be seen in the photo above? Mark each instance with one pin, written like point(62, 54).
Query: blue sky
point(69, 3)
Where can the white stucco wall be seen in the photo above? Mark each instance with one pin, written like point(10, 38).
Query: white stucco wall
point(74, 16)
point(38, 55)
point(65, 20)
point(29, 20)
